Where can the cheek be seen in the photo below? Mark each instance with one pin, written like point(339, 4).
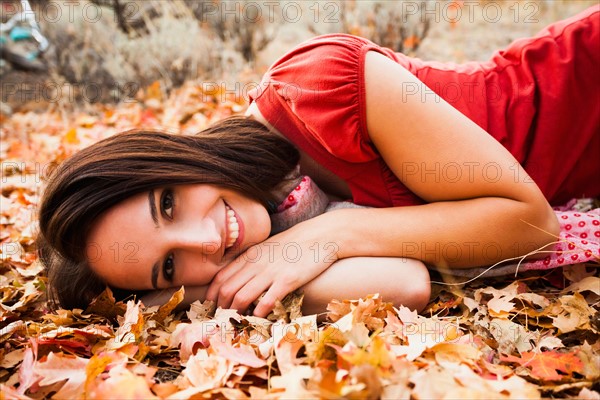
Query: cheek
point(263, 224)
point(196, 273)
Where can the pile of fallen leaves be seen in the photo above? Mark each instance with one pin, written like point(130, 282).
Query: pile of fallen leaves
point(527, 337)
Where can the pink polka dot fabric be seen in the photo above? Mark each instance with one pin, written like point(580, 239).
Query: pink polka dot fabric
point(578, 242)
point(304, 201)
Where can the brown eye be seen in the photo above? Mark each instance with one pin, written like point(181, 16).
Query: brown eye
point(167, 204)
point(169, 268)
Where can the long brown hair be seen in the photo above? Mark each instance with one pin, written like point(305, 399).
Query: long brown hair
point(237, 153)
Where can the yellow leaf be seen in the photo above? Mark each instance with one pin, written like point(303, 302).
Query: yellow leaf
point(574, 314)
point(95, 367)
point(590, 283)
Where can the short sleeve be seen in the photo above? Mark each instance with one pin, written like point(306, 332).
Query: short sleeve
point(315, 96)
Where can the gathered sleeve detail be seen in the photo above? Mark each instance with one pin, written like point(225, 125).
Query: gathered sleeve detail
point(319, 90)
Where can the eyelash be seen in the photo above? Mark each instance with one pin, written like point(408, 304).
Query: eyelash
point(167, 203)
point(167, 194)
point(169, 267)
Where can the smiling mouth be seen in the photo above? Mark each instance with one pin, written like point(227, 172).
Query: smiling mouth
point(233, 227)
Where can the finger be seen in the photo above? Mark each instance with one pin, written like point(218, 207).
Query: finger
point(266, 304)
point(234, 284)
point(223, 276)
point(250, 292)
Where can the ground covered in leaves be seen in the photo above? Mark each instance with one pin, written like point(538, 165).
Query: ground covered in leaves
point(527, 337)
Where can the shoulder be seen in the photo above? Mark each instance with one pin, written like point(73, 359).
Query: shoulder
point(315, 96)
point(335, 53)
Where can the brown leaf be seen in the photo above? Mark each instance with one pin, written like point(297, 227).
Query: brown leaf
point(169, 306)
point(288, 309)
point(573, 313)
point(105, 304)
point(201, 310)
point(589, 283)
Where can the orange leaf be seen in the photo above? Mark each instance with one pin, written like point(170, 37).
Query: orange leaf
point(545, 365)
point(411, 42)
point(71, 136)
point(154, 91)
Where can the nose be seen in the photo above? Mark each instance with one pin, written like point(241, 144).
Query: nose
point(203, 236)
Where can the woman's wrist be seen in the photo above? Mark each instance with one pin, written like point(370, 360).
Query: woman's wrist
point(328, 236)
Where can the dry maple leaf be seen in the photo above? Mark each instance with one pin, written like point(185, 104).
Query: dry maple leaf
point(169, 306)
point(59, 367)
point(546, 365)
point(121, 383)
point(573, 313)
point(188, 335)
point(204, 372)
point(589, 283)
point(242, 354)
point(105, 304)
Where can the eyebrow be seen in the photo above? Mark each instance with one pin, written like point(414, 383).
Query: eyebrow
point(154, 215)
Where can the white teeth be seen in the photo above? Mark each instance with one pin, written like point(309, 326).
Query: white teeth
point(233, 227)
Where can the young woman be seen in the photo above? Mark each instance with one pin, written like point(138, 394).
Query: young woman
point(457, 165)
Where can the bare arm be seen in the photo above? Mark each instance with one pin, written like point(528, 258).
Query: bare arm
point(478, 213)
point(400, 281)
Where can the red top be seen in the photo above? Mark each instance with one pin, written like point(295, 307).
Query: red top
point(540, 98)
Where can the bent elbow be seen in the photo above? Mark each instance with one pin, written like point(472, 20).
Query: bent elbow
point(545, 230)
point(550, 227)
point(417, 294)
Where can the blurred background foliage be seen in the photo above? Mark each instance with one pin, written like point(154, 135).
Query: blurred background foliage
point(114, 44)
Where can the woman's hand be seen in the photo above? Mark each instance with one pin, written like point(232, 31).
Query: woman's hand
point(279, 265)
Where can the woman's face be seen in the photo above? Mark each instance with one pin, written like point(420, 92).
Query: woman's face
point(173, 236)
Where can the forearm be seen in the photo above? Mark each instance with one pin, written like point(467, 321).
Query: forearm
point(457, 234)
point(399, 281)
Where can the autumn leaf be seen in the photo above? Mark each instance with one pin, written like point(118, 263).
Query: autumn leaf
point(546, 365)
point(320, 349)
point(511, 336)
point(27, 375)
point(71, 136)
point(131, 324)
point(201, 310)
point(376, 354)
point(121, 383)
point(186, 336)
point(573, 313)
point(589, 283)
point(242, 354)
point(105, 304)
point(205, 372)
point(169, 306)
point(60, 367)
